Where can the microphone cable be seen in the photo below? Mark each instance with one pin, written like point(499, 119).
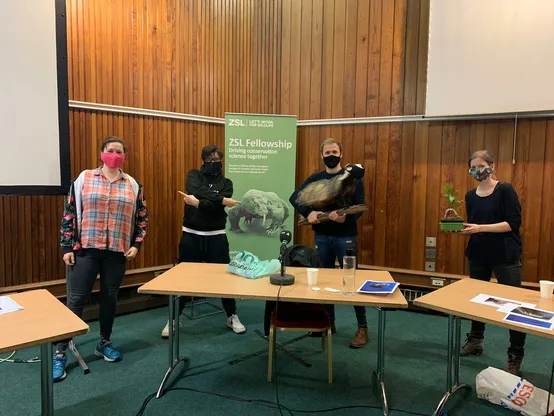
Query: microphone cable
point(275, 355)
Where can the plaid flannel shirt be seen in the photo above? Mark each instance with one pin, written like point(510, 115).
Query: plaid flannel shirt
point(111, 216)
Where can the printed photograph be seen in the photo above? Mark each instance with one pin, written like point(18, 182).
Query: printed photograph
point(378, 285)
point(499, 302)
point(528, 321)
point(534, 313)
point(374, 287)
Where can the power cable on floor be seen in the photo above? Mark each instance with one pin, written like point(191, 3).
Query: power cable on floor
point(18, 361)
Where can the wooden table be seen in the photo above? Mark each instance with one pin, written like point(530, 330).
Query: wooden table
point(213, 280)
point(43, 321)
point(455, 300)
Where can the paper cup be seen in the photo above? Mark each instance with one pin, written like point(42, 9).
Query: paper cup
point(546, 289)
point(312, 277)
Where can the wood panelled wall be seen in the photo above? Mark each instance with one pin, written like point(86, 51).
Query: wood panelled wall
point(313, 58)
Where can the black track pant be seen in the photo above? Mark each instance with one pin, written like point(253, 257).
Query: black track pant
point(89, 263)
point(205, 249)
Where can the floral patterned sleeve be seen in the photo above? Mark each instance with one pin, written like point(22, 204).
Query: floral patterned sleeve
point(67, 231)
point(141, 221)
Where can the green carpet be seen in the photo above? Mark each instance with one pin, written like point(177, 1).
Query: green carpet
point(415, 369)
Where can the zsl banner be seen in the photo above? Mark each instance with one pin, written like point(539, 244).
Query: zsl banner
point(260, 159)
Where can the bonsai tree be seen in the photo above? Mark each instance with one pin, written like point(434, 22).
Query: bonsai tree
point(452, 220)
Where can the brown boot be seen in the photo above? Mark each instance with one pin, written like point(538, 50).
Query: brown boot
point(473, 346)
point(515, 357)
point(513, 365)
point(360, 338)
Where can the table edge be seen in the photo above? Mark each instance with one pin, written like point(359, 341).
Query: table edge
point(41, 341)
point(377, 304)
point(520, 328)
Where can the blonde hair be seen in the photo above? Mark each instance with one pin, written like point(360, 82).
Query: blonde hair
point(483, 154)
point(329, 141)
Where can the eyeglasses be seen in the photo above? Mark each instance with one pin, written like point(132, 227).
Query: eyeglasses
point(213, 160)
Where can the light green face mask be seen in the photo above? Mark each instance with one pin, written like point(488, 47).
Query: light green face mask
point(247, 265)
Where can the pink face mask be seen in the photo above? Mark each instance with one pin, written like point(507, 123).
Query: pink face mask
point(113, 160)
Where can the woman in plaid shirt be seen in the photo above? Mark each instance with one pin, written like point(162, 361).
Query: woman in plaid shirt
point(104, 224)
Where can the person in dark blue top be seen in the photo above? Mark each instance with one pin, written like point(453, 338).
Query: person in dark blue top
point(494, 219)
point(333, 238)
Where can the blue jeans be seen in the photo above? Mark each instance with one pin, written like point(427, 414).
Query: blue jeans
point(330, 248)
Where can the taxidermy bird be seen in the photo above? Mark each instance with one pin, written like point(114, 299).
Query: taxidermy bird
point(334, 191)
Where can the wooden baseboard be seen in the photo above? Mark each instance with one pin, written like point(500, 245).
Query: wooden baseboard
point(416, 278)
point(133, 278)
point(132, 301)
point(135, 302)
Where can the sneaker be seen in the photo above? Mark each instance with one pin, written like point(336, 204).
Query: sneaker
point(165, 331)
point(234, 323)
point(107, 352)
point(58, 367)
point(473, 346)
point(360, 338)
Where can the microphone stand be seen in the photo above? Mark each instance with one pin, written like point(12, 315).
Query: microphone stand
point(282, 259)
point(282, 278)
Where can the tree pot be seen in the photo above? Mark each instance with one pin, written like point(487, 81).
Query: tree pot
point(452, 225)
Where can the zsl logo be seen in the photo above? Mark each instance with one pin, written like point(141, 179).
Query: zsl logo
point(236, 122)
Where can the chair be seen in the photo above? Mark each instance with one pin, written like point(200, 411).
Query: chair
point(300, 317)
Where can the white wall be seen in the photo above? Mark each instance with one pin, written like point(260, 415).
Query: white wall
point(490, 56)
point(29, 132)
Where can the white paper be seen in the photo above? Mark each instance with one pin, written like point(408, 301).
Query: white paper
point(315, 288)
point(328, 289)
point(502, 304)
point(7, 305)
point(530, 312)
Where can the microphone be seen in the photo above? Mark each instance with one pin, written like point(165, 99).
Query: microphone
point(282, 278)
point(285, 237)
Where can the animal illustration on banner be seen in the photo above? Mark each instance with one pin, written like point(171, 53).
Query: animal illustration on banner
point(257, 208)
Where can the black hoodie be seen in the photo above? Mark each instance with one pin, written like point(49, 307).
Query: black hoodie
point(209, 190)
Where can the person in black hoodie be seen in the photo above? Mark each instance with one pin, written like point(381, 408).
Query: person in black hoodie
point(335, 237)
point(203, 239)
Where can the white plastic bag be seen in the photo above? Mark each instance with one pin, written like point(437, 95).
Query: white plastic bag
point(512, 392)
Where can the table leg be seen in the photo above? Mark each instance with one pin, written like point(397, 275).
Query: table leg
point(452, 380)
point(380, 372)
point(174, 357)
point(550, 393)
point(47, 384)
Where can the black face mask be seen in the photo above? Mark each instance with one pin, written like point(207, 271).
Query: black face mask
point(331, 161)
point(212, 168)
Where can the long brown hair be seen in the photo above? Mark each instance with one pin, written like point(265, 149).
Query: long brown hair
point(483, 154)
point(486, 156)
